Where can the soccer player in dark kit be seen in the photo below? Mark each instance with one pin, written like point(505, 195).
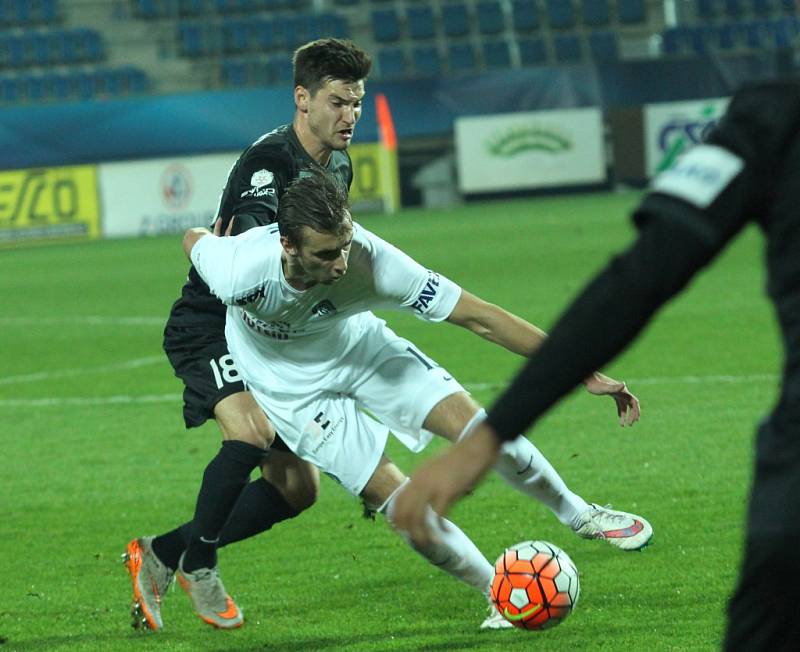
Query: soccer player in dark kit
point(329, 78)
point(748, 170)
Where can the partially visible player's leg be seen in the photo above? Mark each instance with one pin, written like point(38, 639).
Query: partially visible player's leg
point(761, 613)
point(287, 485)
point(414, 396)
point(450, 549)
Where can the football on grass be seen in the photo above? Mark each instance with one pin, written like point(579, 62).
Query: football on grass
point(535, 585)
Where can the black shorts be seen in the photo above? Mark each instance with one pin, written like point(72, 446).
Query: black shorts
point(201, 360)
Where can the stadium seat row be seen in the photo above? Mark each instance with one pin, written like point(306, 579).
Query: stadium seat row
point(462, 57)
point(81, 84)
point(424, 61)
point(257, 72)
point(51, 47)
point(24, 13)
point(236, 36)
point(489, 17)
point(155, 9)
point(758, 35)
point(710, 9)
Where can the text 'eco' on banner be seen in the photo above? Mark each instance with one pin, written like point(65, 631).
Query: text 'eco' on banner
point(42, 203)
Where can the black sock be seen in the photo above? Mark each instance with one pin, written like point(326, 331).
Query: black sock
point(260, 506)
point(223, 481)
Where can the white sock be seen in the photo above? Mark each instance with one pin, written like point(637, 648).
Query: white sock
point(524, 467)
point(453, 551)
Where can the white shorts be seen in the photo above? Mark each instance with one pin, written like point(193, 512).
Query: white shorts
point(385, 374)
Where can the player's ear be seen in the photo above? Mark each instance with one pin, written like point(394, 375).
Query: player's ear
point(288, 247)
point(301, 98)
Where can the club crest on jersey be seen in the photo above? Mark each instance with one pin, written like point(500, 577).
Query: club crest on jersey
point(428, 293)
point(324, 308)
point(261, 178)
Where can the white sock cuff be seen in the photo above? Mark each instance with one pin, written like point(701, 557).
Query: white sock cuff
point(479, 416)
point(383, 509)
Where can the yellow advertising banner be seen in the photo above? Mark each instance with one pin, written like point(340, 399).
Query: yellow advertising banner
point(48, 203)
point(376, 186)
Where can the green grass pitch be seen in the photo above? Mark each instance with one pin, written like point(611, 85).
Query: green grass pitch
point(94, 451)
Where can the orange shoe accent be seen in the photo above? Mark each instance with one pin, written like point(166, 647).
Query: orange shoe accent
point(133, 564)
point(231, 611)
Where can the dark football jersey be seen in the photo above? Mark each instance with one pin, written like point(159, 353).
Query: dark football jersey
point(747, 171)
point(255, 185)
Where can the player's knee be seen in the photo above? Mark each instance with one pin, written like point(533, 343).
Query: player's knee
point(301, 496)
point(252, 427)
point(297, 480)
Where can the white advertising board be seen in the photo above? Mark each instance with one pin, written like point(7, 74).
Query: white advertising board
point(672, 127)
point(161, 196)
point(514, 151)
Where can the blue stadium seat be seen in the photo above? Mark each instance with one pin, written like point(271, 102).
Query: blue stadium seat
point(85, 85)
point(789, 6)
point(706, 9)
point(595, 13)
point(632, 11)
point(56, 86)
point(40, 45)
point(427, 62)
point(701, 38)
point(733, 8)
point(235, 35)
point(461, 57)
point(17, 52)
point(9, 90)
point(496, 54)
point(191, 7)
point(23, 12)
point(532, 51)
point(490, 17)
point(763, 7)
point(48, 11)
point(560, 14)
point(728, 36)
point(455, 19)
point(264, 35)
point(392, 63)
point(419, 20)
point(190, 40)
point(332, 24)
point(137, 80)
point(34, 87)
point(234, 73)
point(385, 25)
point(754, 34)
point(281, 71)
point(567, 48)
point(603, 45)
point(525, 15)
point(147, 9)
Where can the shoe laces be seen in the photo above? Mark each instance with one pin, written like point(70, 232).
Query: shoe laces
point(210, 584)
point(605, 513)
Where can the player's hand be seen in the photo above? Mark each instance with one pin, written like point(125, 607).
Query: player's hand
point(627, 404)
point(218, 227)
point(440, 482)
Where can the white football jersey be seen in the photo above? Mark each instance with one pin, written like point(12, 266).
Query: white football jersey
point(293, 340)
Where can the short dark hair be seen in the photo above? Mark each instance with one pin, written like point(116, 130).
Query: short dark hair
point(329, 58)
point(315, 200)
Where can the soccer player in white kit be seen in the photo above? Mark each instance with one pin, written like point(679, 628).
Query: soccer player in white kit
point(303, 337)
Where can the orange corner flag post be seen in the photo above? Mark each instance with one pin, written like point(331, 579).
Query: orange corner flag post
point(389, 170)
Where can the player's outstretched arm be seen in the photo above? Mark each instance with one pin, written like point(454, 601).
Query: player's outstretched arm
point(497, 325)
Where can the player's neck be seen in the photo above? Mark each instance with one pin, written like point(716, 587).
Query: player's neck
point(295, 275)
point(314, 148)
